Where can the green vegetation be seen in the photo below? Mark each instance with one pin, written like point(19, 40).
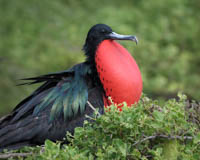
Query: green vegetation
point(38, 37)
point(144, 131)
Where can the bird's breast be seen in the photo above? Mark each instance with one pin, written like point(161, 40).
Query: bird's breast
point(118, 72)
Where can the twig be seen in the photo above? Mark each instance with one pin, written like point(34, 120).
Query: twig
point(145, 139)
point(13, 155)
point(94, 109)
point(163, 136)
point(176, 137)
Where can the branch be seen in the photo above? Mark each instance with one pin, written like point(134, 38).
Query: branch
point(145, 139)
point(163, 136)
point(93, 108)
point(14, 155)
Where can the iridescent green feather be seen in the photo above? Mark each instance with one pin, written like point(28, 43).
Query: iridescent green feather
point(46, 101)
point(53, 95)
point(83, 97)
point(56, 108)
point(67, 109)
point(69, 97)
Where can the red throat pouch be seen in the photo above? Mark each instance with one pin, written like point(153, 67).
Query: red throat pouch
point(118, 72)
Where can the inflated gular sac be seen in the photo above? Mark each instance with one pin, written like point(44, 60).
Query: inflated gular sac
point(118, 72)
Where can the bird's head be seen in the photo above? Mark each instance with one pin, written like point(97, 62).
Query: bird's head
point(100, 32)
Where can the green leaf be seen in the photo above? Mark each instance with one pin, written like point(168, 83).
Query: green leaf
point(121, 146)
point(158, 115)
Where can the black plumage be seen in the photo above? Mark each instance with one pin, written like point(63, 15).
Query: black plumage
point(28, 125)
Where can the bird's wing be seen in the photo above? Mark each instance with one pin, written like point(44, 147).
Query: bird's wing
point(53, 109)
point(65, 93)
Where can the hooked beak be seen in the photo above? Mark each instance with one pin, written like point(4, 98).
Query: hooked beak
point(116, 36)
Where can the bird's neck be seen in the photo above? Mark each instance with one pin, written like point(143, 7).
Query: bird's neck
point(89, 49)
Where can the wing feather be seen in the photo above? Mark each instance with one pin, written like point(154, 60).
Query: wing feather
point(68, 97)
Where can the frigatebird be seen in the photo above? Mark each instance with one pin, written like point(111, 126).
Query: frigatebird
point(64, 98)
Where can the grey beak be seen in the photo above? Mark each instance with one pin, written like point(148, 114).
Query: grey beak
point(116, 36)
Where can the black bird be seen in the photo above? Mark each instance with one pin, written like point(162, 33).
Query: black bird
point(64, 98)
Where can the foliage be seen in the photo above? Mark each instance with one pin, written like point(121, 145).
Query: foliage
point(144, 131)
point(38, 37)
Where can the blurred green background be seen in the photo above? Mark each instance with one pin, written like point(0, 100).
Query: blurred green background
point(42, 36)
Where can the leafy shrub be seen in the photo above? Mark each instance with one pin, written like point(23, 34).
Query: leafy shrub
point(144, 131)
